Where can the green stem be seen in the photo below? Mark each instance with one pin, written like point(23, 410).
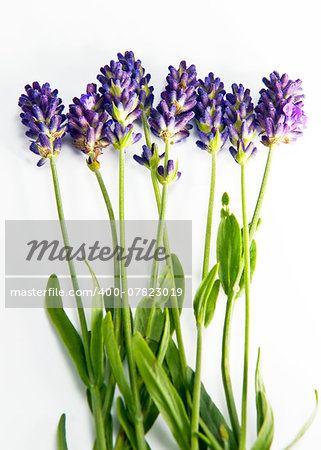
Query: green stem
point(115, 245)
point(206, 260)
point(138, 420)
point(108, 399)
point(197, 390)
point(176, 318)
point(225, 367)
point(101, 442)
point(160, 232)
point(259, 202)
point(209, 219)
point(98, 415)
point(146, 130)
point(246, 247)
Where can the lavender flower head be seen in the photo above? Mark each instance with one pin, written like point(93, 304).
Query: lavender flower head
point(209, 114)
point(42, 114)
point(172, 173)
point(139, 78)
point(149, 157)
point(88, 124)
point(240, 121)
point(171, 119)
point(121, 101)
point(280, 114)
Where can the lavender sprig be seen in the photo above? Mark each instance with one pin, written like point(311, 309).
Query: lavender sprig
point(240, 121)
point(209, 113)
point(280, 114)
point(89, 123)
point(42, 114)
point(171, 119)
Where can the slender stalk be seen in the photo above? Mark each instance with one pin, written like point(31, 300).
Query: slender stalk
point(115, 245)
point(259, 202)
point(108, 399)
point(198, 367)
point(101, 441)
point(178, 330)
point(209, 219)
point(225, 367)
point(197, 389)
point(146, 130)
point(230, 305)
point(99, 420)
point(246, 247)
point(138, 422)
point(160, 232)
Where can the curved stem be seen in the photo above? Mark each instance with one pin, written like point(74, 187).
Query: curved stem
point(198, 367)
point(160, 232)
point(138, 420)
point(99, 420)
point(99, 423)
point(246, 247)
point(259, 202)
point(209, 220)
point(115, 245)
point(146, 130)
point(225, 367)
point(197, 390)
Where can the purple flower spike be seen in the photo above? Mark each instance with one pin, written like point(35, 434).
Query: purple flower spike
point(171, 119)
point(240, 120)
point(149, 157)
point(88, 123)
point(172, 173)
point(141, 80)
point(209, 114)
point(122, 137)
point(42, 114)
point(280, 115)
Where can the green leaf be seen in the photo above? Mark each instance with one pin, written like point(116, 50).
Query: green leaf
point(265, 419)
point(165, 339)
point(252, 267)
point(307, 424)
point(115, 362)
point(203, 293)
point(96, 342)
point(61, 433)
point(141, 319)
point(124, 420)
point(65, 328)
point(211, 303)
point(162, 392)
point(179, 279)
point(228, 251)
point(209, 413)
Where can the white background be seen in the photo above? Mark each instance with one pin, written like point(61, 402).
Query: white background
point(65, 43)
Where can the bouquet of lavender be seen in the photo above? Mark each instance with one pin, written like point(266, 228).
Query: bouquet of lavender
point(150, 343)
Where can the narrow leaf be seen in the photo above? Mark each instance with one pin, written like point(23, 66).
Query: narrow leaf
point(61, 433)
point(265, 419)
point(165, 339)
point(162, 392)
point(307, 424)
point(202, 294)
point(228, 251)
point(96, 342)
point(211, 303)
point(115, 361)
point(253, 252)
point(122, 415)
point(65, 328)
